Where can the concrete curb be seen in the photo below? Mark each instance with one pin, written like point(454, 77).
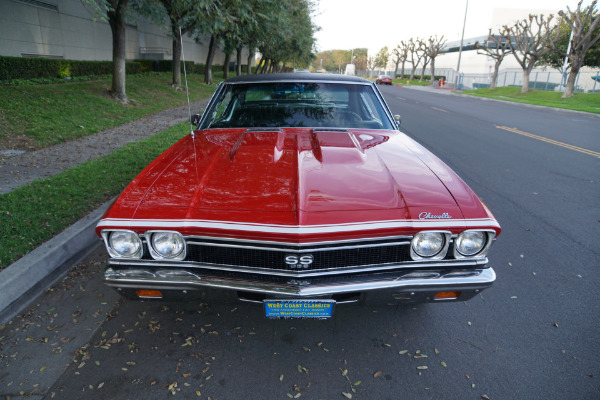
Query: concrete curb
point(22, 281)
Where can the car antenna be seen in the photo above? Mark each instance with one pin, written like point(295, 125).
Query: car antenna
point(186, 85)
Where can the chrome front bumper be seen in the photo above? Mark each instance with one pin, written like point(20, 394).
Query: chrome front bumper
point(425, 282)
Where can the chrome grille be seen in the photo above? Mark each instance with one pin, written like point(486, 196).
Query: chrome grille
point(273, 256)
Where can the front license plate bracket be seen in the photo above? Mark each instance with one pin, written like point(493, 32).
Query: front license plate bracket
point(319, 309)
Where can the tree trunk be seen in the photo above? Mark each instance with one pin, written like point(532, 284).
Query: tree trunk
point(423, 72)
point(432, 69)
point(570, 86)
point(526, 72)
point(495, 75)
point(238, 62)
point(262, 66)
point(412, 72)
point(116, 19)
point(250, 61)
point(402, 73)
point(176, 57)
point(209, 60)
point(226, 66)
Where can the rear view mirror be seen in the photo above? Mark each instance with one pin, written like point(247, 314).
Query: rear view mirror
point(398, 120)
point(195, 120)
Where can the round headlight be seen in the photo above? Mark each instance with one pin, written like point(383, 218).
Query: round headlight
point(125, 244)
point(168, 244)
point(428, 244)
point(470, 243)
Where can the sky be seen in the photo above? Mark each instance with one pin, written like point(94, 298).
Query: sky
point(347, 24)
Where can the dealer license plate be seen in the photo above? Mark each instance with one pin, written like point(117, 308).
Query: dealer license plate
point(299, 308)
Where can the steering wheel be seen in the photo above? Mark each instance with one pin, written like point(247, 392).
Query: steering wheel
point(350, 115)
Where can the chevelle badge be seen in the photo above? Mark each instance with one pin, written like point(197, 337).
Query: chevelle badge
point(426, 215)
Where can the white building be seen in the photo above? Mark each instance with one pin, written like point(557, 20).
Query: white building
point(67, 29)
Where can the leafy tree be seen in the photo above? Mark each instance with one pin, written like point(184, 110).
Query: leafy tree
point(114, 11)
point(334, 59)
point(530, 40)
point(292, 37)
point(382, 58)
point(185, 16)
point(227, 27)
point(360, 59)
point(497, 47)
point(585, 44)
point(253, 31)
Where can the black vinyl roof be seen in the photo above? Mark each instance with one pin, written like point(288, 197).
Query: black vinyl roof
point(297, 76)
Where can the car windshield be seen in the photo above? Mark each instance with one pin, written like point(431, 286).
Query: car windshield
point(283, 104)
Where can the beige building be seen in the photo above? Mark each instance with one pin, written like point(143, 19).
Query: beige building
point(69, 30)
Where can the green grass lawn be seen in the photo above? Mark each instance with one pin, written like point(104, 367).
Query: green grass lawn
point(588, 102)
point(37, 116)
point(35, 213)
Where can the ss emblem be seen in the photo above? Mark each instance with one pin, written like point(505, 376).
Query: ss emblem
point(299, 261)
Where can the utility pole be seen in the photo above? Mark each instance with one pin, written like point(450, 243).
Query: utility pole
point(564, 68)
point(460, 48)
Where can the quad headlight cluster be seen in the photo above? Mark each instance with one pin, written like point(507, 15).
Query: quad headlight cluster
point(162, 245)
point(434, 245)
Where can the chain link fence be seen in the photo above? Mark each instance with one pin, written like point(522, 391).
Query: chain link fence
point(588, 80)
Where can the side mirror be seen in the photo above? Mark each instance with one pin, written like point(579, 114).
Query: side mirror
point(195, 119)
point(398, 119)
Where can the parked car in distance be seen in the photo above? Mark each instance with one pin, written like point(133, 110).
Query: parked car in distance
point(298, 192)
point(383, 80)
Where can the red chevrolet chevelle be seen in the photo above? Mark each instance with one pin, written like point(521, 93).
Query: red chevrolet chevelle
point(299, 191)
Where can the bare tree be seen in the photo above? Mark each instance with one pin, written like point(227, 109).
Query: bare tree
point(396, 58)
point(423, 53)
point(434, 48)
point(414, 57)
point(370, 66)
point(495, 47)
point(530, 40)
point(403, 47)
point(583, 24)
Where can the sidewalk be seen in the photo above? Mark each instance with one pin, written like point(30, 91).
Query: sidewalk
point(24, 279)
point(21, 169)
point(430, 89)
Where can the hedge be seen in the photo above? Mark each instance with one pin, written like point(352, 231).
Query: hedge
point(32, 68)
point(14, 68)
point(425, 77)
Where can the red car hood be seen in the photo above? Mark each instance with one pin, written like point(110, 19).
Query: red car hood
point(297, 177)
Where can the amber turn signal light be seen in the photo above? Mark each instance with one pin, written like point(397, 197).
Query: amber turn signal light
point(446, 295)
point(149, 294)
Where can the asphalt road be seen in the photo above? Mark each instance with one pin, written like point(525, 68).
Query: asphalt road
point(534, 335)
